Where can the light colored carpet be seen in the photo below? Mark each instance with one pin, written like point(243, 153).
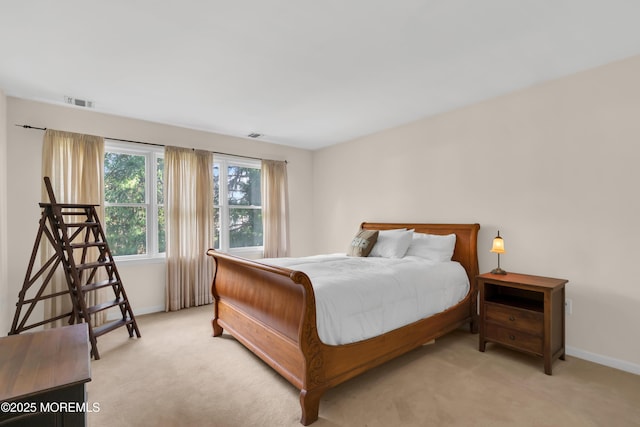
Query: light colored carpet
point(178, 375)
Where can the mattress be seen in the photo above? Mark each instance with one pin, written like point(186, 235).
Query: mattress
point(358, 298)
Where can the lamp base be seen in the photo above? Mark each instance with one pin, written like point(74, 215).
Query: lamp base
point(498, 271)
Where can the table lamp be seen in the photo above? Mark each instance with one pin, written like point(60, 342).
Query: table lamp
point(498, 248)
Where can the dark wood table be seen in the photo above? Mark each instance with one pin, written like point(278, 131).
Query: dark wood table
point(43, 376)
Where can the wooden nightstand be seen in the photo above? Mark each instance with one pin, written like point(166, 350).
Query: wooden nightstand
point(524, 313)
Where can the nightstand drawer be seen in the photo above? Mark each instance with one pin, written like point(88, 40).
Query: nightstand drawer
point(531, 322)
point(513, 338)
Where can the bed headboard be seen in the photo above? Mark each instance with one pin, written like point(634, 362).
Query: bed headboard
point(466, 250)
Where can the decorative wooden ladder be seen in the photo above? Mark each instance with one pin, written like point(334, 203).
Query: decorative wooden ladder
point(73, 243)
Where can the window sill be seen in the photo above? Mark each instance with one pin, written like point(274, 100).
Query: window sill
point(251, 253)
point(133, 260)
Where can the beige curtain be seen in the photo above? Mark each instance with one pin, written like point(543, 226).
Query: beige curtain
point(189, 220)
point(74, 163)
point(275, 208)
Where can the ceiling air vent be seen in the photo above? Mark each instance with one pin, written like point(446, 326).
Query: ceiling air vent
point(78, 102)
point(254, 135)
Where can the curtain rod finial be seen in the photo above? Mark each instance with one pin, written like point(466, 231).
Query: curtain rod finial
point(30, 127)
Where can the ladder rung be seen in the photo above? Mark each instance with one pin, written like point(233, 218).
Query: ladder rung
point(74, 213)
point(82, 224)
point(105, 305)
point(110, 326)
point(93, 265)
point(87, 245)
point(93, 286)
point(53, 319)
point(68, 205)
point(44, 297)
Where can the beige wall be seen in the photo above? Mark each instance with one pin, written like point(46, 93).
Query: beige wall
point(4, 286)
point(144, 282)
point(554, 167)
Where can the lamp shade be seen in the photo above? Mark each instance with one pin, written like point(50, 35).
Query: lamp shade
point(498, 245)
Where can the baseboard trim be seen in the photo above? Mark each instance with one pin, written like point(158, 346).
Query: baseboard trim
point(604, 360)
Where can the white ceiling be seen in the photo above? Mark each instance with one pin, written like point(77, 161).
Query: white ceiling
point(306, 73)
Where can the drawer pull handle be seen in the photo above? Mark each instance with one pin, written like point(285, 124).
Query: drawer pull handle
point(512, 318)
point(512, 337)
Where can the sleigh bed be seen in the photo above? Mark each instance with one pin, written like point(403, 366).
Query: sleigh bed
point(272, 311)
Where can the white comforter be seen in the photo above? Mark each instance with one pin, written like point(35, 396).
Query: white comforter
point(359, 298)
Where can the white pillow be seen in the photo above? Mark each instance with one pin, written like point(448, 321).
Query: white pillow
point(432, 246)
point(392, 243)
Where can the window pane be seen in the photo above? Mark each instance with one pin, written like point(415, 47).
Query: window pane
point(245, 227)
point(162, 237)
point(126, 230)
point(216, 184)
point(244, 186)
point(160, 183)
point(216, 228)
point(124, 178)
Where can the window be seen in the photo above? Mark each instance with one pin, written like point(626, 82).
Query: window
point(134, 199)
point(237, 204)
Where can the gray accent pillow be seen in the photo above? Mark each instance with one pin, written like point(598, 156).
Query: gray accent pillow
point(362, 243)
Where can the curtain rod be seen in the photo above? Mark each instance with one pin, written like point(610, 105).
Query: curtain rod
point(150, 143)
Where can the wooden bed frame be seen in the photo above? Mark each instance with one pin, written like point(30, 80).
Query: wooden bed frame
point(271, 311)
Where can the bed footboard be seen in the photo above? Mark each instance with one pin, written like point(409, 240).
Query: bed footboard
point(271, 310)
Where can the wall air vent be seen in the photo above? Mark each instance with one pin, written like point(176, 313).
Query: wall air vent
point(254, 135)
point(78, 102)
